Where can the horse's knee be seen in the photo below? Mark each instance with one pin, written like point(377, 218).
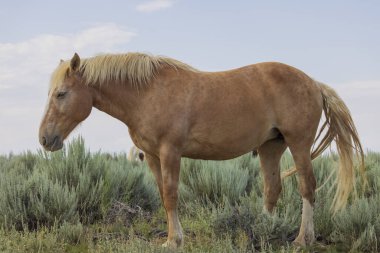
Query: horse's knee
point(170, 198)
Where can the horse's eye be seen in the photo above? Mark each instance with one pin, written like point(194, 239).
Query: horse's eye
point(61, 94)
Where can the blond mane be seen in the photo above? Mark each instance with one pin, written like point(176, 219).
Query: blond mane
point(136, 68)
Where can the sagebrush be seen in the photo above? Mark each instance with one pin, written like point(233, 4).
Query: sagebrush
point(75, 200)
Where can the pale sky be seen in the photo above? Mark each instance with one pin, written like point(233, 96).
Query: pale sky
point(335, 42)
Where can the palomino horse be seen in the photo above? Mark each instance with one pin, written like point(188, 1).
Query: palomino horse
point(173, 110)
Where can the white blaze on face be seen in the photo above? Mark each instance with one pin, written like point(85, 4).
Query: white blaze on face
point(44, 115)
point(47, 104)
point(47, 114)
point(50, 94)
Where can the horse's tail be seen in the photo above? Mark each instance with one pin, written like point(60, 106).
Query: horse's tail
point(340, 127)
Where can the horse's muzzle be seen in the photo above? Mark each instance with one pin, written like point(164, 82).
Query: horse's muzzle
point(53, 143)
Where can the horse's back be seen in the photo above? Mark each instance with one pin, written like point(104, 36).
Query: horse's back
point(238, 110)
point(221, 115)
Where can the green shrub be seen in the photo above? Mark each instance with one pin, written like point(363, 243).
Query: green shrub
point(69, 185)
point(129, 183)
point(62, 194)
point(76, 168)
point(31, 199)
point(260, 228)
point(359, 225)
point(210, 181)
point(70, 233)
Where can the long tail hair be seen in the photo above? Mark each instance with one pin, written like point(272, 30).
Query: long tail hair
point(340, 127)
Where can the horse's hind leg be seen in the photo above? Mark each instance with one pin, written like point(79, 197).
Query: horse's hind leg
point(307, 184)
point(270, 154)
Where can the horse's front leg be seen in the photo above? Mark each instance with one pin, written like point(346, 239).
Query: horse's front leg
point(170, 167)
point(155, 166)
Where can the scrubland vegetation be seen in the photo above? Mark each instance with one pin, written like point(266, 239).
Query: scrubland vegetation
point(77, 201)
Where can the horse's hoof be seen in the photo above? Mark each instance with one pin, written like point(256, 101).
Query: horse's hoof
point(267, 212)
point(305, 240)
point(165, 244)
point(299, 242)
point(173, 244)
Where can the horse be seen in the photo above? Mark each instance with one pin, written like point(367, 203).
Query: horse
point(135, 155)
point(173, 110)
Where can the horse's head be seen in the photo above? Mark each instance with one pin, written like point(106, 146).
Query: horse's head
point(69, 103)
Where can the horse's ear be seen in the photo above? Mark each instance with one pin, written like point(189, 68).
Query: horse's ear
point(75, 62)
point(61, 61)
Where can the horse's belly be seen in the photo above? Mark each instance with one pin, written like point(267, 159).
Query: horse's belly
point(219, 145)
point(216, 154)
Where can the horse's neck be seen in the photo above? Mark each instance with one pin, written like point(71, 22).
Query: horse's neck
point(117, 100)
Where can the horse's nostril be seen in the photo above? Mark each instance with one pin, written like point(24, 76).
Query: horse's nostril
point(43, 141)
